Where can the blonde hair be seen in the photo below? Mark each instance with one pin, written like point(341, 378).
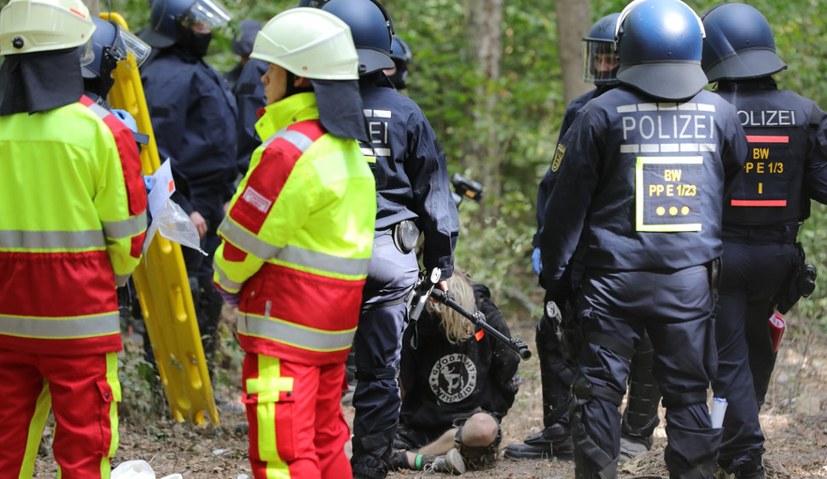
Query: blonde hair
point(457, 327)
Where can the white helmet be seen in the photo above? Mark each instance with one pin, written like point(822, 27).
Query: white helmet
point(28, 26)
point(310, 43)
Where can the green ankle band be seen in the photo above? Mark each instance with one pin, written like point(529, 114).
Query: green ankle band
point(418, 462)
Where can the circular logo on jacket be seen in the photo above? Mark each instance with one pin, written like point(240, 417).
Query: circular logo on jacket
point(453, 378)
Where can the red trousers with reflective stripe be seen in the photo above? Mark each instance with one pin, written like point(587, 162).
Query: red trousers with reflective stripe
point(83, 392)
point(297, 428)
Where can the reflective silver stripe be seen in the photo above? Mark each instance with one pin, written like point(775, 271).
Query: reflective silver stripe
point(298, 139)
point(126, 228)
point(295, 335)
point(120, 279)
point(99, 110)
point(301, 141)
point(273, 137)
point(224, 281)
point(323, 261)
point(246, 240)
point(52, 239)
point(80, 327)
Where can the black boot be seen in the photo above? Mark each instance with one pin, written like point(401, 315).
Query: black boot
point(551, 442)
point(587, 469)
point(640, 418)
point(751, 471)
point(554, 441)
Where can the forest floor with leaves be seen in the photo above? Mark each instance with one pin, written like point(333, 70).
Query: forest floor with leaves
point(794, 422)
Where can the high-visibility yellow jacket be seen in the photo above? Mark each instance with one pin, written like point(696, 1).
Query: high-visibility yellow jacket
point(72, 221)
point(297, 238)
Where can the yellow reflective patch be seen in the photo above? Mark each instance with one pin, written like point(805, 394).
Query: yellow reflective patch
point(668, 194)
point(558, 157)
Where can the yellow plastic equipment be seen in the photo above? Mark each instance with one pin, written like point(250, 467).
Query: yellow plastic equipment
point(161, 280)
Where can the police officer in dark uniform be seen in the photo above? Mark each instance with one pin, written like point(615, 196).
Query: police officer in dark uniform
point(413, 194)
point(194, 119)
point(245, 83)
point(402, 58)
point(249, 96)
point(640, 183)
point(242, 46)
point(640, 418)
point(786, 167)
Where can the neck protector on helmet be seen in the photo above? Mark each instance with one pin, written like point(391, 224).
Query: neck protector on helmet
point(34, 82)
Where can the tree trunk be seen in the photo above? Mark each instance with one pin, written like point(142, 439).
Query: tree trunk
point(486, 17)
point(94, 6)
point(573, 22)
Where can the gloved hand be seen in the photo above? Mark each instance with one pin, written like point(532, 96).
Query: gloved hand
point(536, 261)
point(126, 118)
point(230, 298)
point(148, 182)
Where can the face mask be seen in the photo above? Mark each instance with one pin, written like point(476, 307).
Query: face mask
point(195, 43)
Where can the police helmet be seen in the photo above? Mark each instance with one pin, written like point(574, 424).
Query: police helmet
point(400, 51)
point(660, 43)
point(29, 26)
point(739, 44)
point(111, 44)
point(401, 56)
point(599, 53)
point(243, 42)
point(372, 31)
point(167, 16)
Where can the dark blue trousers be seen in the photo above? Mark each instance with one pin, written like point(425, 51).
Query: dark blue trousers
point(752, 274)
point(676, 310)
point(378, 344)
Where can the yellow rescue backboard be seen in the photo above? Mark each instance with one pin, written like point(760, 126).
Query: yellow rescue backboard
point(161, 280)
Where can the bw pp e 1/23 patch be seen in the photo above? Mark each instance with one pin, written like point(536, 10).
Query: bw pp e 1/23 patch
point(668, 194)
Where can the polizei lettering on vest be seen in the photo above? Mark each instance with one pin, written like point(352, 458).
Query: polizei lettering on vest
point(666, 126)
point(767, 118)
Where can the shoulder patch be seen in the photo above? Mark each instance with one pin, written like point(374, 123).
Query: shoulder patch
point(256, 199)
point(558, 157)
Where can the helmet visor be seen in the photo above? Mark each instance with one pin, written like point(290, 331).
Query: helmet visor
point(87, 53)
point(126, 43)
point(600, 62)
point(207, 13)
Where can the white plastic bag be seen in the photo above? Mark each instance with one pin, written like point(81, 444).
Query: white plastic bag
point(176, 226)
point(173, 223)
point(138, 470)
point(133, 470)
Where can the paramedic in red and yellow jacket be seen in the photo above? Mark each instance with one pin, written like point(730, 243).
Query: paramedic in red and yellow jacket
point(296, 245)
point(72, 220)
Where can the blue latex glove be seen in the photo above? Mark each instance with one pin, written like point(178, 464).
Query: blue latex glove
point(230, 298)
point(536, 261)
point(126, 118)
point(148, 182)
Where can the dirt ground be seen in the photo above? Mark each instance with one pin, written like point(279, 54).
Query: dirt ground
point(794, 421)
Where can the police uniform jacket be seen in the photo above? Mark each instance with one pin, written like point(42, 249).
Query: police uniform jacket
point(249, 96)
point(444, 382)
point(787, 160)
point(411, 174)
point(632, 169)
point(546, 184)
point(194, 120)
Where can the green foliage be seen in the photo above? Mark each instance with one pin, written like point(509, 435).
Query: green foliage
point(812, 238)
point(143, 395)
point(495, 244)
